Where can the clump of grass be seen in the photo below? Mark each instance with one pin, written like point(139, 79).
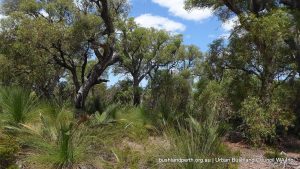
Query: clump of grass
point(106, 117)
point(196, 141)
point(55, 142)
point(273, 154)
point(127, 158)
point(8, 149)
point(118, 136)
point(17, 104)
point(134, 120)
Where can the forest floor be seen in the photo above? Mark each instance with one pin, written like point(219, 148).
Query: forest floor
point(292, 156)
point(291, 151)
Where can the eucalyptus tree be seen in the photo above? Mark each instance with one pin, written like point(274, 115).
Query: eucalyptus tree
point(255, 60)
point(23, 65)
point(70, 32)
point(143, 50)
point(257, 45)
point(226, 9)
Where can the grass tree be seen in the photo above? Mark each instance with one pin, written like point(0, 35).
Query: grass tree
point(55, 141)
point(18, 105)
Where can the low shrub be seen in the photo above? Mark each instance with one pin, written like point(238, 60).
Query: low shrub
point(273, 154)
point(261, 121)
point(8, 149)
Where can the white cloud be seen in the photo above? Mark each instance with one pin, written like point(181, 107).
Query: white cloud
point(230, 24)
point(158, 22)
point(44, 13)
point(176, 8)
point(2, 16)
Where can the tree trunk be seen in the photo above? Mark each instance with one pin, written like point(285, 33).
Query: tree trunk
point(82, 94)
point(267, 81)
point(297, 57)
point(267, 78)
point(84, 89)
point(266, 91)
point(136, 92)
point(75, 80)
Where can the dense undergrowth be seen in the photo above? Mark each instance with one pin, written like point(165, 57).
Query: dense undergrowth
point(48, 136)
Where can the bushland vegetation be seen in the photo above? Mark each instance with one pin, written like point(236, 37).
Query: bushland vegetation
point(56, 110)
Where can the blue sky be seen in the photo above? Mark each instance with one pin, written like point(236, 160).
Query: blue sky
point(199, 27)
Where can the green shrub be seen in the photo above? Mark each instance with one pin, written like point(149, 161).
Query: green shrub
point(256, 126)
point(13, 167)
point(169, 98)
point(211, 99)
point(97, 99)
point(273, 154)
point(8, 150)
point(135, 120)
point(122, 92)
point(261, 121)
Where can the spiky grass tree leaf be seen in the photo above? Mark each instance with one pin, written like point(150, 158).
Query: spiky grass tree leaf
point(54, 141)
point(18, 105)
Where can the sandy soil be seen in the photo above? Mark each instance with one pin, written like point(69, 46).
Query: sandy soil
point(292, 162)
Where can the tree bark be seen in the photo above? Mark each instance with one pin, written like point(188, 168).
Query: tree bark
point(266, 90)
point(267, 79)
point(92, 80)
point(136, 92)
